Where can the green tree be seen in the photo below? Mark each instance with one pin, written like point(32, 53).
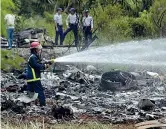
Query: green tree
point(158, 10)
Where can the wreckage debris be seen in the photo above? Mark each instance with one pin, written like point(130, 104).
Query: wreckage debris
point(5, 104)
point(12, 88)
point(146, 104)
point(16, 107)
point(76, 91)
point(15, 71)
point(23, 88)
point(116, 80)
point(62, 112)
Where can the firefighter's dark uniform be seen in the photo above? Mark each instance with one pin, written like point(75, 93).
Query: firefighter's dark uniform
point(34, 68)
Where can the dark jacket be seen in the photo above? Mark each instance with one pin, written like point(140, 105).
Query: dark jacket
point(34, 68)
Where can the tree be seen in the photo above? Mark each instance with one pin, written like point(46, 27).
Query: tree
point(159, 16)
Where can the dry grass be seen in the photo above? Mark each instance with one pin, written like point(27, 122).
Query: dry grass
point(90, 125)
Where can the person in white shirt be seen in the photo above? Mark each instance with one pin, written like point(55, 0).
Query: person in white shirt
point(72, 24)
point(58, 26)
point(87, 27)
point(10, 22)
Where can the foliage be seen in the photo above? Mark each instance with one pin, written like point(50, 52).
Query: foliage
point(120, 29)
point(116, 26)
point(109, 20)
point(116, 20)
point(143, 25)
point(158, 10)
point(10, 60)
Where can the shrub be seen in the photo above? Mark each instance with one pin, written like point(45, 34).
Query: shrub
point(10, 61)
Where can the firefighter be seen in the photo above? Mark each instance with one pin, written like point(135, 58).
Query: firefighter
point(87, 27)
point(34, 67)
point(72, 24)
point(58, 26)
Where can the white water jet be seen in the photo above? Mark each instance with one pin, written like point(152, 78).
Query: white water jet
point(143, 54)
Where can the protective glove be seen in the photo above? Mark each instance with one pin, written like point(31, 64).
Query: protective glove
point(50, 62)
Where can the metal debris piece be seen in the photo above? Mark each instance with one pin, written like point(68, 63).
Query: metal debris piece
point(27, 98)
point(146, 104)
point(62, 112)
point(116, 80)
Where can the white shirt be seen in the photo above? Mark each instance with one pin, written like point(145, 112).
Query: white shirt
point(72, 19)
point(10, 20)
point(87, 21)
point(58, 18)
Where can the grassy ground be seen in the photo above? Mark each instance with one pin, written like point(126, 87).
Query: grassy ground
point(10, 59)
point(91, 125)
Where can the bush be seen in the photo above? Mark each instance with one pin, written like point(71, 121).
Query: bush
point(10, 61)
point(112, 25)
point(143, 25)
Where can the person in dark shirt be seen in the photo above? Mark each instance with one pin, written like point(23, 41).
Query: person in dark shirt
point(33, 75)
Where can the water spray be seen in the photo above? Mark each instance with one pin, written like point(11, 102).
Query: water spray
point(138, 54)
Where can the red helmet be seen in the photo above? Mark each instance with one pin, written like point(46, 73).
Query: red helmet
point(35, 45)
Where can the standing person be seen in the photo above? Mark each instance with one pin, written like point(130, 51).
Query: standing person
point(87, 27)
point(58, 26)
point(33, 74)
point(72, 24)
point(10, 22)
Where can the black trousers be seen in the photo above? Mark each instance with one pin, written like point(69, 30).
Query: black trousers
point(87, 34)
point(74, 28)
point(59, 32)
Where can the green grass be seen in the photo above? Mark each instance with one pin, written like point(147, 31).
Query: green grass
point(90, 125)
point(10, 60)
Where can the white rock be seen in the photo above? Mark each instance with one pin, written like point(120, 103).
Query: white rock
point(153, 74)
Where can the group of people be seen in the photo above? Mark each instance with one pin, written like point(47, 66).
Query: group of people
point(72, 23)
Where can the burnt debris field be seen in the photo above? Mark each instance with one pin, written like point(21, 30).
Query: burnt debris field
point(86, 95)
